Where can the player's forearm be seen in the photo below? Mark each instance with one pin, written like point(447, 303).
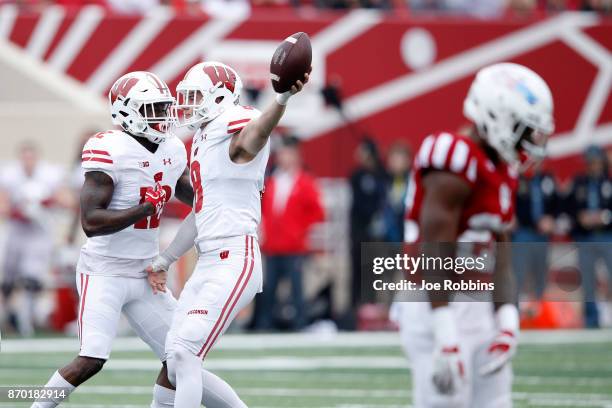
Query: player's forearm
point(255, 135)
point(183, 190)
point(504, 291)
point(183, 241)
point(101, 221)
point(438, 235)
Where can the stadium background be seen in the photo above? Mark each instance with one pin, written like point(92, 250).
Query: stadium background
point(390, 75)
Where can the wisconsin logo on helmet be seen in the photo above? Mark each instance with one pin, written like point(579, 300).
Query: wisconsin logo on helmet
point(122, 88)
point(159, 84)
point(218, 73)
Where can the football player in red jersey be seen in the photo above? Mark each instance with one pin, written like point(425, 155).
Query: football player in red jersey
point(462, 190)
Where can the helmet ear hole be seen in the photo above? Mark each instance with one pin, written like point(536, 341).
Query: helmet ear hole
point(492, 115)
point(219, 99)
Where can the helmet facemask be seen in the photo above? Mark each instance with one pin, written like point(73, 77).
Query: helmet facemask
point(207, 91)
point(195, 107)
point(151, 119)
point(158, 116)
point(142, 105)
point(530, 145)
point(520, 144)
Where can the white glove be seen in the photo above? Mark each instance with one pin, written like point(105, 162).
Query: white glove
point(448, 368)
point(503, 347)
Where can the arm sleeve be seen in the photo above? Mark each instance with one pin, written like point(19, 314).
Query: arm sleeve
point(97, 156)
point(183, 241)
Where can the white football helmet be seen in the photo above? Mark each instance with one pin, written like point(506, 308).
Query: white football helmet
point(208, 90)
point(512, 107)
point(142, 105)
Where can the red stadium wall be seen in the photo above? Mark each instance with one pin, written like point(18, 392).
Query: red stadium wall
point(401, 77)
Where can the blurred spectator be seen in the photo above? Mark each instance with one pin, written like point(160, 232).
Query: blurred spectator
point(30, 187)
point(224, 8)
point(592, 202)
point(398, 168)
point(602, 6)
point(220, 8)
point(291, 205)
point(535, 211)
point(270, 3)
point(332, 92)
point(368, 187)
point(132, 6)
point(479, 8)
point(522, 7)
point(557, 5)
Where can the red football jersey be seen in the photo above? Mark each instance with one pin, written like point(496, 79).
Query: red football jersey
point(490, 207)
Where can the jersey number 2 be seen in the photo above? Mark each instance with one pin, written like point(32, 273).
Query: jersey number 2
point(152, 221)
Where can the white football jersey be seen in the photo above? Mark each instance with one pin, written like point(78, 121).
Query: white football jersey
point(227, 195)
point(133, 169)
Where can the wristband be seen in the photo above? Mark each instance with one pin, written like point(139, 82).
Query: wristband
point(507, 317)
point(445, 328)
point(283, 98)
point(162, 263)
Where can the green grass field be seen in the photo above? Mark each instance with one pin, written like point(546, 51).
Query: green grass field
point(560, 369)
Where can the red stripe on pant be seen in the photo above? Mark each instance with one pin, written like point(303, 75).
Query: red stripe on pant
point(246, 281)
point(229, 299)
point(83, 297)
point(79, 308)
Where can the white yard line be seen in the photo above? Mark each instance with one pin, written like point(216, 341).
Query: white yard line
point(273, 363)
point(277, 378)
point(301, 340)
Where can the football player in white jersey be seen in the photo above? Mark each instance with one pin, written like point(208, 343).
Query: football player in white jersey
point(129, 175)
point(228, 159)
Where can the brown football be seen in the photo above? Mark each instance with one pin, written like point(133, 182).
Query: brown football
point(290, 61)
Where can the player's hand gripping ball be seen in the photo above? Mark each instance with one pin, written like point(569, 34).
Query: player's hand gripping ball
point(291, 63)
